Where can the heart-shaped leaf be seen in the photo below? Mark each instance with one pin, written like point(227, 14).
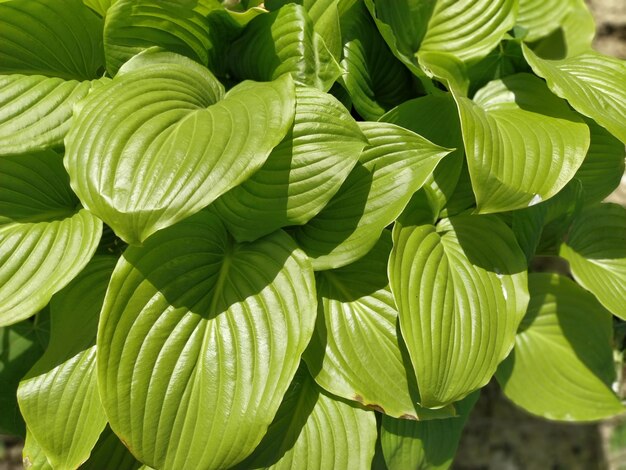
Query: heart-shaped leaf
point(472, 296)
point(592, 83)
point(45, 237)
point(58, 397)
point(35, 111)
point(596, 253)
point(424, 444)
point(134, 25)
point(355, 351)
point(286, 42)
point(199, 340)
point(192, 147)
point(562, 364)
point(374, 78)
point(395, 165)
point(436, 118)
point(301, 174)
point(315, 430)
point(21, 345)
point(523, 144)
point(56, 38)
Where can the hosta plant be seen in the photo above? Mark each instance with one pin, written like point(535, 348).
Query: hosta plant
point(244, 235)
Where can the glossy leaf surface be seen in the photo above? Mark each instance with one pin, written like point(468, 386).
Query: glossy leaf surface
point(198, 342)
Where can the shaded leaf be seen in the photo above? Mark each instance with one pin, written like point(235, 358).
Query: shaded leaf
point(45, 237)
point(562, 364)
point(198, 342)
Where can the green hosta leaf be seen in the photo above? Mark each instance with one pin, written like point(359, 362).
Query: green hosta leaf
point(45, 237)
point(301, 174)
point(99, 6)
point(596, 252)
point(424, 445)
point(58, 397)
point(437, 119)
point(592, 83)
point(194, 146)
point(35, 111)
point(354, 352)
point(472, 298)
point(56, 38)
point(284, 41)
point(541, 17)
point(447, 69)
point(198, 342)
point(375, 79)
point(603, 166)
point(523, 144)
point(134, 25)
point(33, 455)
point(562, 364)
point(467, 29)
point(109, 452)
point(390, 170)
point(574, 35)
point(20, 347)
point(315, 430)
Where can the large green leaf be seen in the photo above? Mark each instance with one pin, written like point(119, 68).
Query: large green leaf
point(395, 165)
point(562, 364)
point(193, 147)
point(437, 119)
point(592, 83)
point(56, 38)
point(472, 296)
point(284, 41)
point(603, 167)
point(198, 342)
point(20, 347)
point(301, 174)
point(424, 445)
point(134, 25)
point(315, 430)
point(35, 111)
point(58, 397)
point(355, 351)
point(375, 79)
point(45, 237)
point(541, 17)
point(596, 251)
point(467, 29)
point(523, 144)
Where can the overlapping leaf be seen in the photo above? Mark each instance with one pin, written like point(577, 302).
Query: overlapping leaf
point(523, 144)
point(596, 253)
point(284, 41)
point(301, 174)
point(199, 340)
point(99, 6)
point(58, 397)
point(45, 237)
point(375, 79)
point(55, 38)
point(35, 111)
point(562, 364)
point(315, 430)
point(134, 25)
point(541, 17)
point(395, 165)
point(109, 452)
point(459, 299)
point(158, 143)
point(426, 444)
point(592, 83)
point(20, 347)
point(355, 352)
point(437, 119)
point(466, 29)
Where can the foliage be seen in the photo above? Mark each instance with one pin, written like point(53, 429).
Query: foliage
point(301, 234)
